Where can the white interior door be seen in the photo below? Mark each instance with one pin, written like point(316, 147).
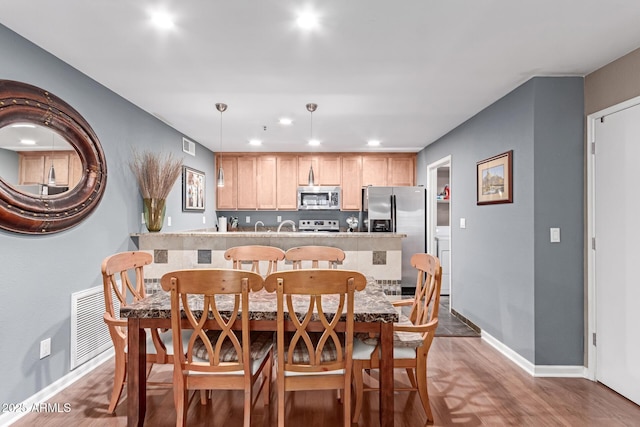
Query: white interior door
point(617, 251)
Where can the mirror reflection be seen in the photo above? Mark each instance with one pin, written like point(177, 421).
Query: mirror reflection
point(37, 160)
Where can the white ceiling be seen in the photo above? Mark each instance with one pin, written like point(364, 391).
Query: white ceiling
point(405, 72)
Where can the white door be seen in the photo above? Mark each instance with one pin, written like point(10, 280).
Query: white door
point(617, 251)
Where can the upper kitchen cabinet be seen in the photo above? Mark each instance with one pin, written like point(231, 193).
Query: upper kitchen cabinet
point(402, 171)
point(351, 183)
point(227, 196)
point(326, 169)
point(286, 184)
point(374, 170)
point(247, 182)
point(266, 177)
point(34, 165)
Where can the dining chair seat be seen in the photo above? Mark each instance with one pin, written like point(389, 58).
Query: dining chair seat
point(261, 345)
point(300, 353)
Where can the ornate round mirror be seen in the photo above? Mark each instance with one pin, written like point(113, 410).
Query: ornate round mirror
point(53, 169)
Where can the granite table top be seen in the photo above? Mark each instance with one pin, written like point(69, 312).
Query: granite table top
point(370, 305)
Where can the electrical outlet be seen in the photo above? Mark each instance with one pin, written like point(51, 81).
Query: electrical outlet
point(278, 218)
point(142, 217)
point(45, 348)
point(204, 219)
point(247, 219)
point(168, 221)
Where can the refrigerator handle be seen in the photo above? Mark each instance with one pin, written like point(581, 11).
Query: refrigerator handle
point(393, 213)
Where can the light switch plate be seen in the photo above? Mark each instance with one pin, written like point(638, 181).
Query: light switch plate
point(554, 235)
point(463, 223)
point(168, 221)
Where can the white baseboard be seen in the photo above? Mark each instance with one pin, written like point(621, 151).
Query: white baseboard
point(558, 371)
point(54, 388)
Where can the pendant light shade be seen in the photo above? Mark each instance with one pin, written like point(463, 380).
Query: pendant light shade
point(52, 172)
point(222, 108)
point(311, 108)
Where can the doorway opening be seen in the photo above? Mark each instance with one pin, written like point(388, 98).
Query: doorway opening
point(439, 200)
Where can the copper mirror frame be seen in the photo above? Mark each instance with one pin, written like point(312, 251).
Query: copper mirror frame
point(33, 214)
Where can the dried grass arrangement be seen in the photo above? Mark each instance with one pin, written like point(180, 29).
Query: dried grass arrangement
point(156, 173)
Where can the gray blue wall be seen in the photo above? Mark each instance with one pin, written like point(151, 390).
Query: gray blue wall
point(39, 273)
point(506, 276)
point(9, 161)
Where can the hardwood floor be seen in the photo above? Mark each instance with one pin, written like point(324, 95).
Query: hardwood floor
point(470, 384)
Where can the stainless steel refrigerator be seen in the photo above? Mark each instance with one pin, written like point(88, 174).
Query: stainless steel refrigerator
point(398, 210)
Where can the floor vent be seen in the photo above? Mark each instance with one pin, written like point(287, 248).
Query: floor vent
point(188, 147)
point(89, 334)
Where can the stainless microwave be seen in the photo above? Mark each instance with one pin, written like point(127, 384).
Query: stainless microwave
point(318, 198)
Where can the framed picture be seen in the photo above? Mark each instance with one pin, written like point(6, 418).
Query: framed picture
point(495, 179)
point(193, 191)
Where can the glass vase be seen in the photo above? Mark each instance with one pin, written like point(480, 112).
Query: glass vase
point(154, 210)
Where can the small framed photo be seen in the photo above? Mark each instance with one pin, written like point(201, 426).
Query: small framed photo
point(193, 190)
point(495, 179)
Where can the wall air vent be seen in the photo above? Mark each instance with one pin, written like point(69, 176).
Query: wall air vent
point(188, 147)
point(89, 334)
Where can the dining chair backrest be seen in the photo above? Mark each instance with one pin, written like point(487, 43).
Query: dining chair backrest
point(314, 254)
point(308, 360)
point(208, 353)
point(207, 283)
point(255, 254)
point(426, 302)
point(123, 283)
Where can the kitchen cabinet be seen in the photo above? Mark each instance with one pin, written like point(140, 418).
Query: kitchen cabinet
point(351, 183)
point(247, 182)
point(326, 169)
point(34, 167)
point(269, 181)
point(286, 185)
point(401, 171)
point(227, 196)
point(374, 170)
point(266, 177)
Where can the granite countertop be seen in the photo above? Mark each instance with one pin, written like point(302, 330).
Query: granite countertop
point(370, 305)
point(297, 234)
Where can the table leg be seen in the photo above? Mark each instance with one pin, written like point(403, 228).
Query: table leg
point(136, 373)
point(386, 374)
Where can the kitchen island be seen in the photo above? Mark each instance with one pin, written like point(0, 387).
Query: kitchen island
point(378, 255)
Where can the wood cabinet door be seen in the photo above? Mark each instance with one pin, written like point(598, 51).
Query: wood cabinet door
point(304, 164)
point(247, 183)
point(266, 178)
point(351, 183)
point(286, 186)
point(330, 170)
point(402, 171)
point(75, 169)
point(60, 163)
point(374, 170)
point(31, 169)
point(227, 196)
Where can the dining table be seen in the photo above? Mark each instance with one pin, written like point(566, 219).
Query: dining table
point(373, 314)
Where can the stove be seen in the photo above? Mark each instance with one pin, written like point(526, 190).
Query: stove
point(319, 225)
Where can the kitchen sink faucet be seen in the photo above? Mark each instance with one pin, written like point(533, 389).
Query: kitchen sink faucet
point(287, 221)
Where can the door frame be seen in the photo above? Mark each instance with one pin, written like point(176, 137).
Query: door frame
point(591, 302)
point(432, 190)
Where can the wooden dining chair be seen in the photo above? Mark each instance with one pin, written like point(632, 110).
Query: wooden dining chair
point(314, 254)
point(123, 283)
point(315, 356)
point(216, 357)
point(413, 336)
point(255, 254)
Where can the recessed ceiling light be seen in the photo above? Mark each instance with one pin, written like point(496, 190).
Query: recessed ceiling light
point(27, 142)
point(314, 142)
point(162, 20)
point(255, 142)
point(285, 121)
point(373, 143)
point(307, 20)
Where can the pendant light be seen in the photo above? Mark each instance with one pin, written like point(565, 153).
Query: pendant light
point(311, 108)
point(52, 171)
point(222, 108)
